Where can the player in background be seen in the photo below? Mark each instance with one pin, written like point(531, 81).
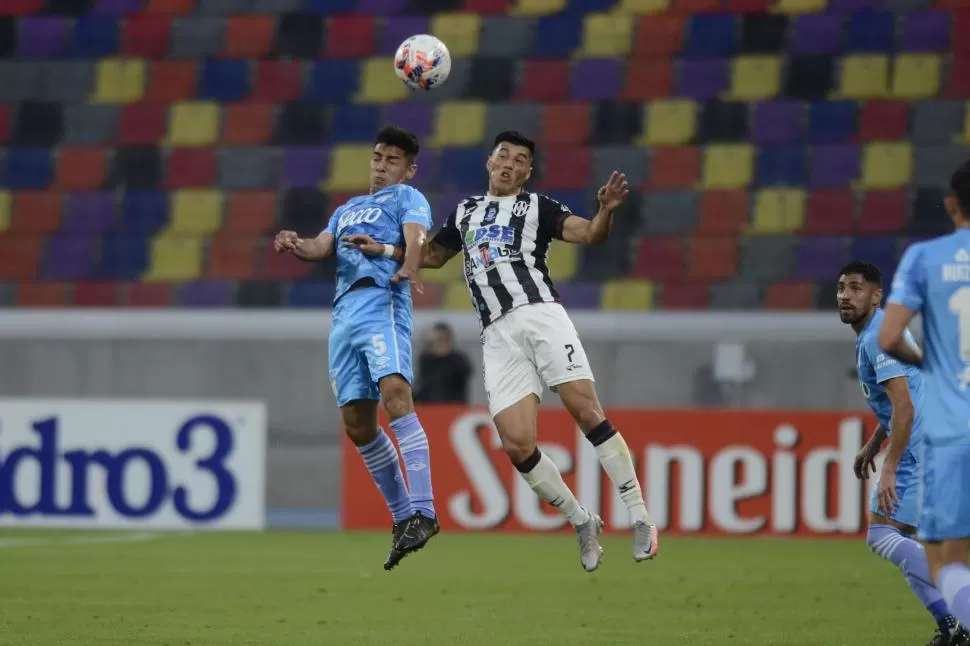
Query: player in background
point(528, 339)
point(370, 340)
point(895, 394)
point(933, 280)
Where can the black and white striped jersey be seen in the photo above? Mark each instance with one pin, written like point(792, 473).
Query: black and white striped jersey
point(505, 243)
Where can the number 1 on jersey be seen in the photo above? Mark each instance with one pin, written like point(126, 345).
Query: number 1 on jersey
point(960, 305)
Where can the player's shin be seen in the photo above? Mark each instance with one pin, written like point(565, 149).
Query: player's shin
point(413, 442)
point(614, 455)
point(382, 462)
point(546, 481)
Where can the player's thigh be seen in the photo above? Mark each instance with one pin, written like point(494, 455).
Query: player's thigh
point(359, 419)
point(383, 336)
point(516, 425)
point(945, 504)
point(906, 513)
point(510, 373)
point(559, 354)
point(349, 375)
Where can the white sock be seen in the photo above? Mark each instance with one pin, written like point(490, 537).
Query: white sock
point(546, 480)
point(615, 457)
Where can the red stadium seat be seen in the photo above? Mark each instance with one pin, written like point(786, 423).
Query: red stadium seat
point(37, 212)
point(884, 212)
point(145, 36)
point(142, 124)
point(724, 211)
point(487, 6)
point(749, 6)
point(350, 37)
point(697, 6)
point(544, 81)
point(430, 299)
point(20, 7)
point(567, 167)
point(277, 81)
point(830, 211)
point(150, 295)
point(660, 35)
point(170, 7)
point(233, 255)
point(684, 295)
point(790, 296)
point(247, 124)
point(713, 257)
point(250, 36)
point(882, 120)
point(250, 212)
point(19, 256)
point(675, 167)
point(565, 123)
point(42, 295)
point(959, 86)
point(80, 168)
point(649, 78)
point(5, 117)
point(659, 258)
point(190, 167)
point(172, 81)
point(277, 266)
point(96, 294)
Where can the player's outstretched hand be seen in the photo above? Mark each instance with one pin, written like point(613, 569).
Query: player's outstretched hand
point(286, 241)
point(865, 463)
point(363, 243)
point(612, 194)
point(404, 274)
point(888, 500)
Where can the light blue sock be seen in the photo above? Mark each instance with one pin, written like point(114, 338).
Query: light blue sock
point(954, 583)
point(382, 462)
point(417, 462)
point(902, 551)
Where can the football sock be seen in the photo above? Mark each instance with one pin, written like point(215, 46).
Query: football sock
point(953, 582)
point(544, 477)
point(380, 456)
point(902, 551)
point(614, 455)
point(417, 461)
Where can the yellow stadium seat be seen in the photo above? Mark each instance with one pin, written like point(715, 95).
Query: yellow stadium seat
point(727, 166)
point(460, 31)
point(6, 203)
point(196, 211)
point(916, 76)
point(349, 168)
point(459, 124)
point(538, 7)
point(864, 76)
point(627, 295)
point(452, 272)
point(119, 81)
point(456, 297)
point(563, 260)
point(193, 123)
point(778, 210)
point(670, 122)
point(643, 7)
point(379, 84)
point(175, 257)
point(799, 6)
point(606, 35)
point(887, 165)
point(755, 77)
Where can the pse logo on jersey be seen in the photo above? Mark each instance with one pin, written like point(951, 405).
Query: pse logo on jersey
point(368, 215)
point(494, 233)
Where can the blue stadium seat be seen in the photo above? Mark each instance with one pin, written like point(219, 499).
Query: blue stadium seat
point(831, 121)
point(355, 122)
point(95, 36)
point(558, 35)
point(880, 250)
point(870, 32)
point(224, 80)
point(330, 7)
point(311, 294)
point(466, 167)
point(144, 212)
point(124, 256)
point(781, 166)
point(711, 35)
point(333, 81)
point(580, 201)
point(28, 168)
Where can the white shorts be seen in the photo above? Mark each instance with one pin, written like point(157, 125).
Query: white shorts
point(530, 346)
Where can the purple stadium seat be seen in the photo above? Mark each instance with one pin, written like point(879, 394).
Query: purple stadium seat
point(42, 36)
point(702, 78)
point(846, 6)
point(581, 295)
point(414, 116)
point(816, 258)
point(595, 80)
point(817, 34)
point(776, 122)
point(304, 166)
point(206, 294)
point(446, 202)
point(428, 164)
point(926, 31)
point(382, 7)
point(69, 257)
point(118, 6)
point(94, 212)
point(834, 166)
point(395, 31)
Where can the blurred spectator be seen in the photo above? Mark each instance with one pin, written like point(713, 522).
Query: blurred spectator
point(443, 371)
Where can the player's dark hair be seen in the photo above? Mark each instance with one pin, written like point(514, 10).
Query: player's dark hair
point(516, 139)
point(869, 272)
point(960, 186)
point(392, 135)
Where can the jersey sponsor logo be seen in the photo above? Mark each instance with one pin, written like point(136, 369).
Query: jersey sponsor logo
point(489, 256)
point(493, 233)
point(367, 215)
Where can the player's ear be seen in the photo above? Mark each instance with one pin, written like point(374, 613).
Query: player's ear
point(411, 171)
point(953, 209)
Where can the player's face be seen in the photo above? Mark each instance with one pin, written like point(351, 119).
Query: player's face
point(509, 168)
point(389, 165)
point(954, 211)
point(856, 298)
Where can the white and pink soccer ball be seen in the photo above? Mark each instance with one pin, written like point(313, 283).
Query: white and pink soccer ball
point(422, 62)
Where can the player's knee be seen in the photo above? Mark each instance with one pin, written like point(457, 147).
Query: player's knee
point(360, 435)
point(518, 452)
point(396, 395)
point(581, 401)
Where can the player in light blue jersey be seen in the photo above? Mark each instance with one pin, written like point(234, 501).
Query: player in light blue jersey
point(370, 340)
point(933, 280)
point(894, 392)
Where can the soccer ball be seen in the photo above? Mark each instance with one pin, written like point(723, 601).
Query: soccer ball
point(422, 62)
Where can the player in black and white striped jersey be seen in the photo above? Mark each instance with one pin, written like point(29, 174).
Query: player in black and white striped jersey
point(528, 339)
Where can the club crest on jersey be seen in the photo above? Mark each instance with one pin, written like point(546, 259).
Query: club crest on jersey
point(520, 208)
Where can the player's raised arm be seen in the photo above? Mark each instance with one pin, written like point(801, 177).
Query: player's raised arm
point(905, 300)
point(597, 230)
point(309, 250)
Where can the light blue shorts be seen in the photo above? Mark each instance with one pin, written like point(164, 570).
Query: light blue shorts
point(945, 513)
point(907, 490)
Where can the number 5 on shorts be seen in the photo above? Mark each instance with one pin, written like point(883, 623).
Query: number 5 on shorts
point(380, 348)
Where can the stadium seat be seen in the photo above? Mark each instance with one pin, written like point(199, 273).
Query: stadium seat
point(351, 36)
point(248, 168)
point(196, 211)
point(887, 165)
point(767, 257)
point(959, 85)
point(883, 212)
point(684, 295)
point(80, 168)
point(739, 295)
point(799, 6)
point(96, 294)
point(832, 121)
point(223, 80)
point(249, 36)
point(564, 123)
point(643, 6)
point(723, 211)
point(809, 77)
point(455, 296)
point(348, 167)
point(781, 166)
point(675, 167)
point(713, 257)
point(925, 31)
point(669, 213)
point(46, 294)
point(566, 168)
point(817, 256)
point(670, 122)
point(543, 81)
point(460, 30)
point(727, 166)
point(595, 80)
point(190, 167)
point(711, 36)
point(317, 294)
point(829, 211)
point(778, 211)
point(193, 123)
point(871, 31)
point(459, 124)
point(277, 81)
point(205, 294)
point(916, 76)
point(607, 35)
point(36, 212)
point(648, 79)
point(702, 78)
point(247, 124)
point(172, 81)
point(250, 212)
point(119, 81)
point(790, 295)
point(147, 295)
point(275, 266)
point(833, 166)
point(6, 210)
point(659, 258)
point(636, 295)
point(936, 122)
point(563, 261)
point(776, 122)
point(378, 83)
point(169, 7)
point(755, 78)
point(864, 77)
point(723, 122)
point(660, 35)
point(20, 256)
point(142, 124)
point(174, 257)
point(883, 120)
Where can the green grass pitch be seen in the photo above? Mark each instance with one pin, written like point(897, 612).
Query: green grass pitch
point(296, 588)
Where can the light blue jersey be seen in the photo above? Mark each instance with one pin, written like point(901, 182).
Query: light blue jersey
point(933, 279)
point(371, 333)
point(875, 368)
